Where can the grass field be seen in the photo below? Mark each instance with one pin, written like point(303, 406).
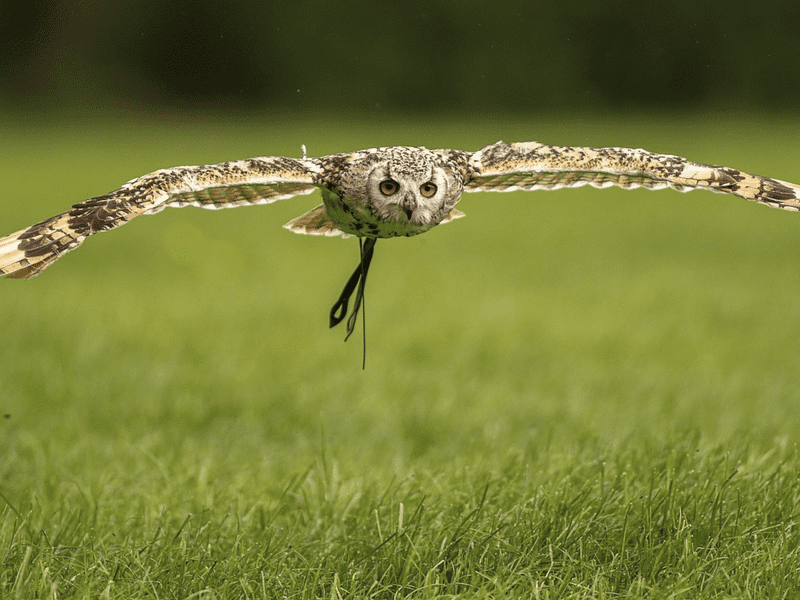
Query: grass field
point(574, 394)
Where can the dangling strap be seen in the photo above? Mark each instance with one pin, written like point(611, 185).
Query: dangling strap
point(358, 278)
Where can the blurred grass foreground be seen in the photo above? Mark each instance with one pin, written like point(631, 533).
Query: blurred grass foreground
point(580, 393)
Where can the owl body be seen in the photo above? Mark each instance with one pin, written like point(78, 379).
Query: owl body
point(379, 192)
point(390, 192)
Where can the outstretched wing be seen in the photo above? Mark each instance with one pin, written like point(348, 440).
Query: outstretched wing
point(505, 167)
point(263, 180)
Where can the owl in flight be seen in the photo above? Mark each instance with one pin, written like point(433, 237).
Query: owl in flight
point(376, 193)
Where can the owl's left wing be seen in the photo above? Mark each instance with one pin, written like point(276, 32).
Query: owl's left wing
point(262, 180)
point(505, 167)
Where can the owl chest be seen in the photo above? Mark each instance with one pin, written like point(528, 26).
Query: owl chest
point(353, 215)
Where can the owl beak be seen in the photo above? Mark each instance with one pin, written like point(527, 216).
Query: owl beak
point(408, 206)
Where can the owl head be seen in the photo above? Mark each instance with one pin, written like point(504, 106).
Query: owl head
point(397, 191)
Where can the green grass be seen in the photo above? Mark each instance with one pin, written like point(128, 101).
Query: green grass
point(574, 394)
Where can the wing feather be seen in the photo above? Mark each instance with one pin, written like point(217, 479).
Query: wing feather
point(505, 167)
point(263, 180)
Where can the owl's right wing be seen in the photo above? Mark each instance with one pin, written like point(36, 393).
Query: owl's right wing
point(505, 167)
point(262, 180)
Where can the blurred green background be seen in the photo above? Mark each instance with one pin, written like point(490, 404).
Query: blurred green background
point(95, 93)
point(419, 55)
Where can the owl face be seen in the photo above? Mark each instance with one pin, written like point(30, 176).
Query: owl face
point(396, 192)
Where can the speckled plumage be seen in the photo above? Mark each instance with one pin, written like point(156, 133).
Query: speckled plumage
point(425, 187)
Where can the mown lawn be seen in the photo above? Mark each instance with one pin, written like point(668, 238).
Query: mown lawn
point(573, 394)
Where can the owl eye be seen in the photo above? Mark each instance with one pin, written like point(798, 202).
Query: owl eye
point(388, 187)
point(427, 189)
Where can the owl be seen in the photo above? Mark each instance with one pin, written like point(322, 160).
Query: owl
point(376, 193)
